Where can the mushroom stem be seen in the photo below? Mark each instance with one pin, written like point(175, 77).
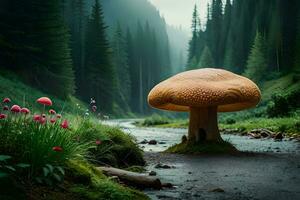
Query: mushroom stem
point(203, 125)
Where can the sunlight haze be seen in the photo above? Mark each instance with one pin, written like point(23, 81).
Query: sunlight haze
point(179, 12)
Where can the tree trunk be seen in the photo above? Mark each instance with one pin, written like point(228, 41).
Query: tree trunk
point(132, 178)
point(203, 125)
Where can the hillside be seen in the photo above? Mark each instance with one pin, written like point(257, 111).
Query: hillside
point(21, 94)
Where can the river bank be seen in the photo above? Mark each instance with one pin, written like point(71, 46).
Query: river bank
point(272, 171)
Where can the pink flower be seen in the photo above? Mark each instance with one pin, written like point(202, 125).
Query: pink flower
point(15, 109)
point(98, 142)
point(65, 124)
point(37, 118)
point(6, 100)
point(53, 120)
point(52, 112)
point(58, 116)
point(5, 108)
point(3, 116)
point(25, 111)
point(57, 148)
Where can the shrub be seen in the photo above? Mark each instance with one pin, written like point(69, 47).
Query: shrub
point(283, 105)
point(155, 120)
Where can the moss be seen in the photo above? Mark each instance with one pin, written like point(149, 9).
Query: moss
point(138, 169)
point(91, 184)
point(117, 148)
point(203, 148)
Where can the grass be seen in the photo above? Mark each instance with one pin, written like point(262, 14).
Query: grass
point(288, 125)
point(63, 157)
point(24, 95)
point(223, 147)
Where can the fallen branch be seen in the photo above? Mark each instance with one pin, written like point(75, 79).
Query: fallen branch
point(133, 178)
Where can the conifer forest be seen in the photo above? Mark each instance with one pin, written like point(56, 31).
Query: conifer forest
point(149, 99)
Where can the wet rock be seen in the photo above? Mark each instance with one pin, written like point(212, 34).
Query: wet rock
point(152, 142)
point(144, 141)
point(260, 133)
point(217, 190)
point(161, 143)
point(190, 172)
point(278, 137)
point(264, 134)
point(254, 135)
point(162, 166)
point(167, 185)
point(152, 173)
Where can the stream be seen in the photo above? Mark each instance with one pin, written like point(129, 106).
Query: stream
point(271, 172)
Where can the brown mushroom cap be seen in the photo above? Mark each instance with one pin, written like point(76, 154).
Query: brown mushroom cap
point(205, 88)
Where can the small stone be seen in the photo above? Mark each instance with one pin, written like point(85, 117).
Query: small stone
point(152, 173)
point(152, 142)
point(144, 141)
point(278, 136)
point(167, 185)
point(190, 172)
point(159, 165)
point(217, 190)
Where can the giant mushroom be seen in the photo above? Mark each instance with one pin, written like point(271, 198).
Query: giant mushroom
point(203, 93)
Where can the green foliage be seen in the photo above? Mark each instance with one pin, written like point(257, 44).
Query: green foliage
point(40, 53)
point(116, 148)
point(206, 59)
point(290, 125)
point(99, 71)
point(23, 95)
point(202, 148)
point(28, 141)
point(52, 175)
point(257, 63)
point(284, 104)
point(155, 119)
point(7, 168)
point(120, 61)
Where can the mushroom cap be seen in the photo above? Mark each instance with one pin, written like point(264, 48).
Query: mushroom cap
point(52, 112)
point(15, 108)
point(6, 100)
point(45, 101)
point(25, 110)
point(207, 87)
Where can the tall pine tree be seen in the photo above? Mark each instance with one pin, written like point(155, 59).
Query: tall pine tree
point(120, 61)
point(100, 73)
point(257, 63)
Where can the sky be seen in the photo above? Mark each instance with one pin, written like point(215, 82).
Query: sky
point(179, 12)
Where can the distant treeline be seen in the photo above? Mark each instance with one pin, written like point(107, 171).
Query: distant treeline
point(64, 47)
point(259, 38)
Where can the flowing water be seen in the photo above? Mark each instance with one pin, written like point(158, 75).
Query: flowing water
point(272, 172)
point(170, 136)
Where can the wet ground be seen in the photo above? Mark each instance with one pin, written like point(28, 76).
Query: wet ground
point(272, 171)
